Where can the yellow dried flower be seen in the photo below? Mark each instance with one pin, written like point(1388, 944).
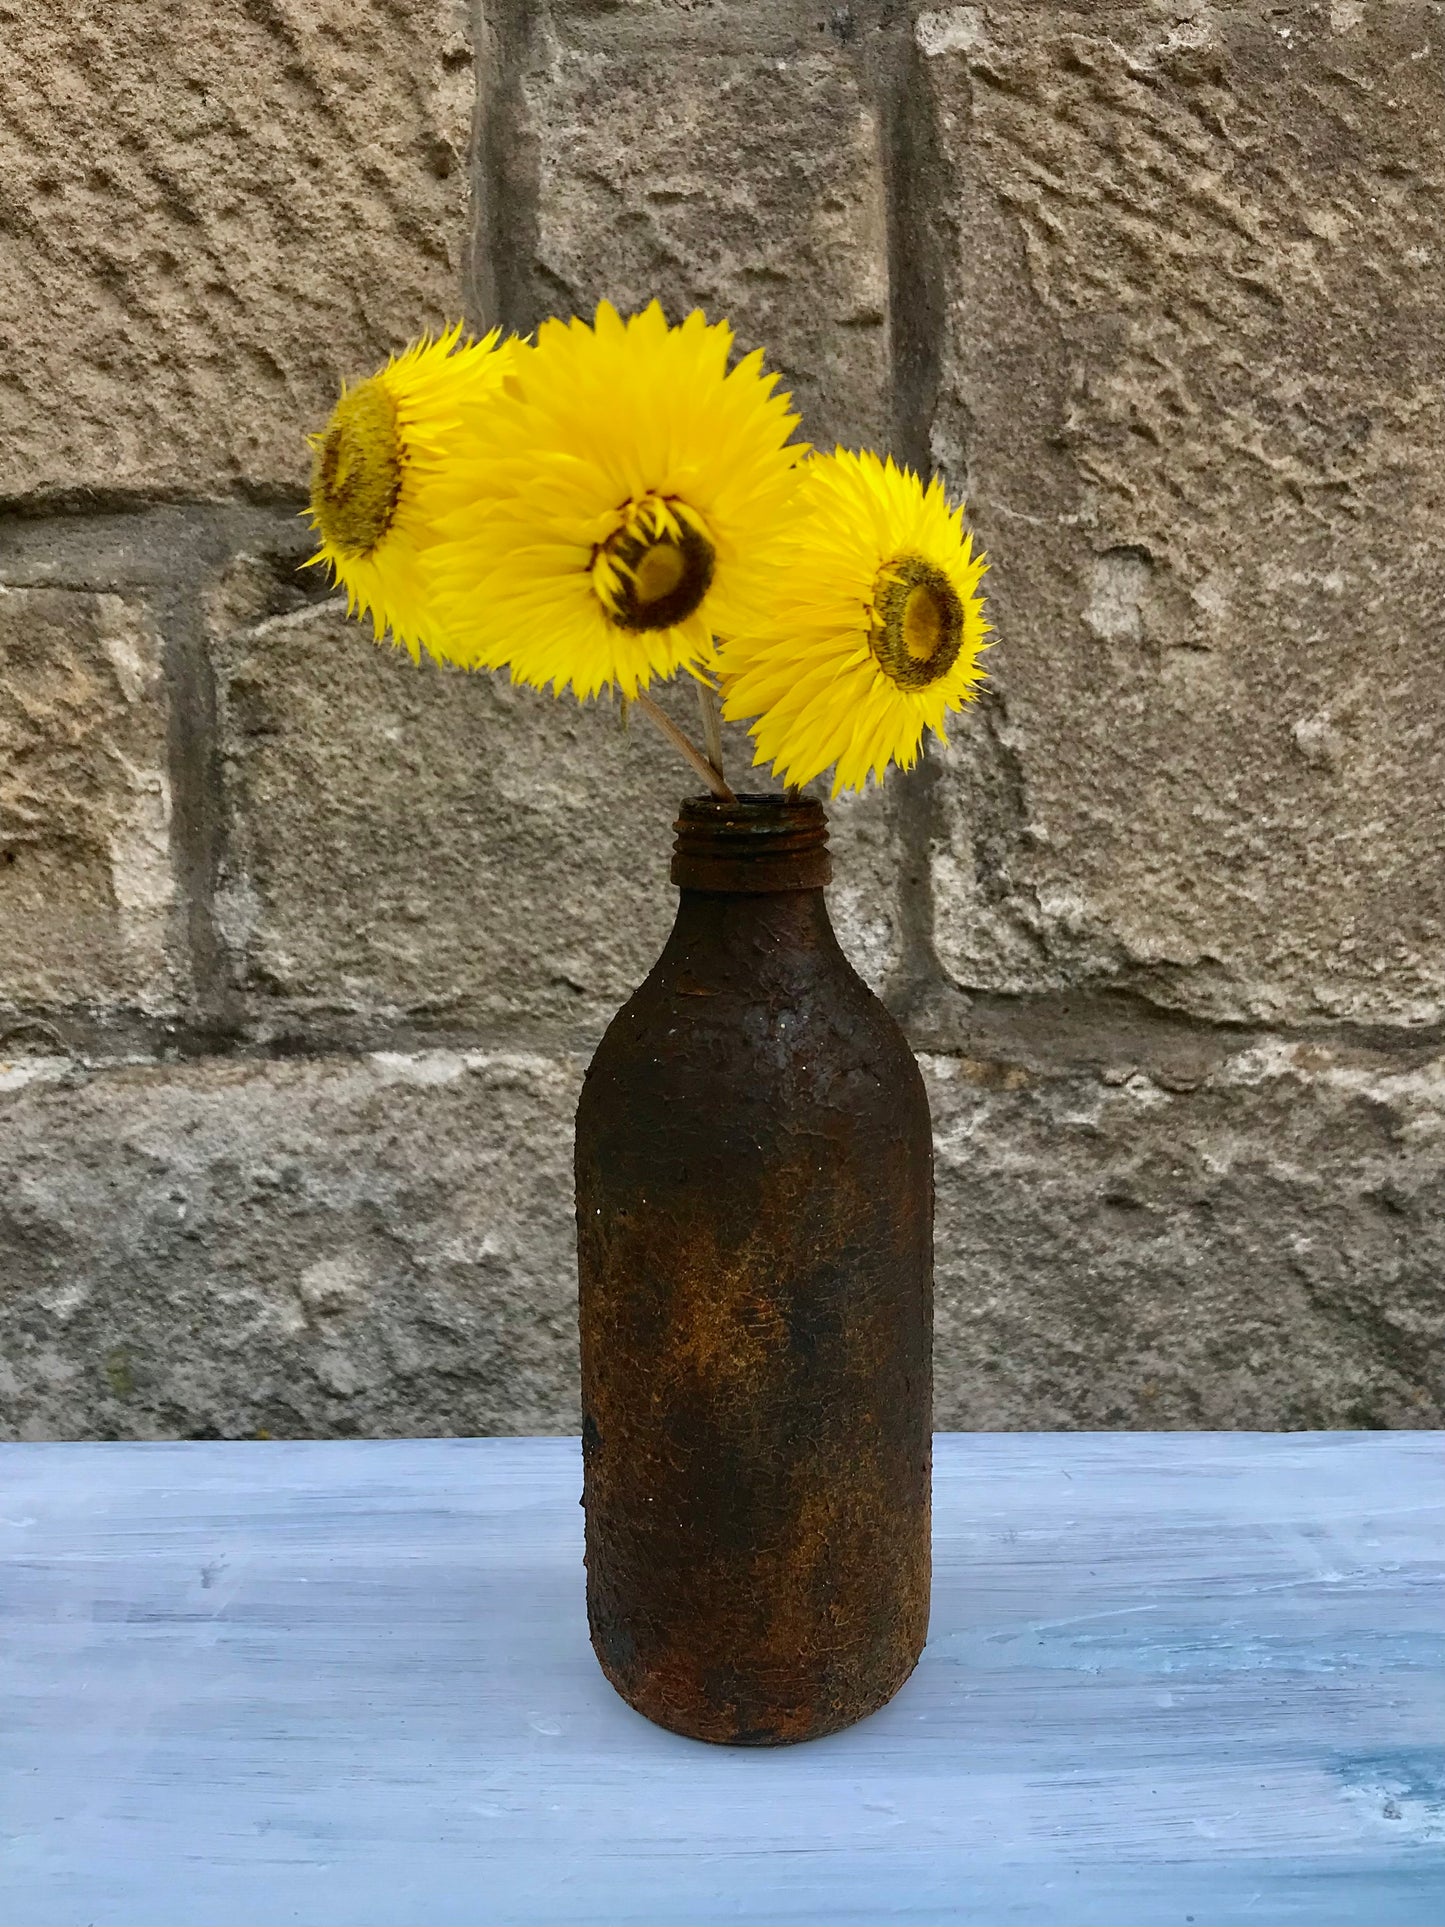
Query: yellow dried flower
point(626, 503)
point(876, 634)
point(385, 467)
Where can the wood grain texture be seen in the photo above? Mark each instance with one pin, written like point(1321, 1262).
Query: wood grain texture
point(1178, 1678)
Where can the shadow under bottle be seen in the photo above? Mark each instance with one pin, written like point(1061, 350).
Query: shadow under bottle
point(755, 1222)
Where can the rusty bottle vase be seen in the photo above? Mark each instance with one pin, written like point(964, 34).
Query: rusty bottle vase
point(755, 1221)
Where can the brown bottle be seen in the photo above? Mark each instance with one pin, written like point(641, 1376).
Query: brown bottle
point(755, 1248)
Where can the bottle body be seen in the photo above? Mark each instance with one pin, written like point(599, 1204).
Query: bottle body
point(754, 1203)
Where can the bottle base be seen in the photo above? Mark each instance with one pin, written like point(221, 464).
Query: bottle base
point(728, 1723)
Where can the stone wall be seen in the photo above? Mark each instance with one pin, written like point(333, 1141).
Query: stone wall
point(302, 949)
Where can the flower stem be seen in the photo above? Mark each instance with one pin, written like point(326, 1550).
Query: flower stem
point(708, 703)
point(685, 746)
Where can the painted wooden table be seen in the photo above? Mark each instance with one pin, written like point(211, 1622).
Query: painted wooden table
point(1174, 1678)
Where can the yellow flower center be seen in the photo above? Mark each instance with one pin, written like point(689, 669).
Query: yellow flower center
point(356, 476)
point(656, 566)
point(917, 622)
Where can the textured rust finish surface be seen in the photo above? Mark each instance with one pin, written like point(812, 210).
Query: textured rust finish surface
point(750, 845)
point(755, 1205)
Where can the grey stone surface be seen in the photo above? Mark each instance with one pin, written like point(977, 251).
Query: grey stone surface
point(419, 840)
point(345, 1247)
point(319, 941)
point(211, 214)
point(1255, 1242)
point(1247, 1236)
point(453, 848)
point(88, 909)
point(867, 897)
point(1193, 380)
point(748, 184)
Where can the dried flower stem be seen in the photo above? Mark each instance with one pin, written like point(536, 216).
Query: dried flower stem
point(685, 747)
point(711, 709)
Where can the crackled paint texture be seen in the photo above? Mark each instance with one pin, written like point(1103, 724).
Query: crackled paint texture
point(303, 950)
point(1167, 1679)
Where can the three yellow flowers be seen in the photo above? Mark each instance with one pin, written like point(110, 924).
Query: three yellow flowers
point(616, 504)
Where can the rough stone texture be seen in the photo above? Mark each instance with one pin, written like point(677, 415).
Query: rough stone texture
point(374, 1246)
point(749, 185)
point(383, 1245)
point(1158, 282)
point(1194, 379)
point(87, 887)
point(211, 213)
point(867, 895)
point(452, 847)
point(1258, 1245)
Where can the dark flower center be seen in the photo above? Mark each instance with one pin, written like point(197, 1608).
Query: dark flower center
point(917, 622)
point(654, 571)
point(356, 478)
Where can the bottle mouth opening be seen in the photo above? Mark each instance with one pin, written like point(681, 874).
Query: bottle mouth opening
point(760, 842)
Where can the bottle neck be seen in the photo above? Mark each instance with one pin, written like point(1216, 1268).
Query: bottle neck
point(751, 912)
point(756, 846)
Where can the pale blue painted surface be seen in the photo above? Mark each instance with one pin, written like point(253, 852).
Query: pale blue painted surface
point(1170, 1678)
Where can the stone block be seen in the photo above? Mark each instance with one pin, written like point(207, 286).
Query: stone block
point(213, 213)
point(1193, 381)
point(869, 846)
point(1252, 1242)
point(748, 184)
point(88, 910)
point(382, 1245)
point(450, 848)
point(361, 1247)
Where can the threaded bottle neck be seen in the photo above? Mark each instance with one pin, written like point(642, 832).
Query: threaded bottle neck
point(758, 844)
